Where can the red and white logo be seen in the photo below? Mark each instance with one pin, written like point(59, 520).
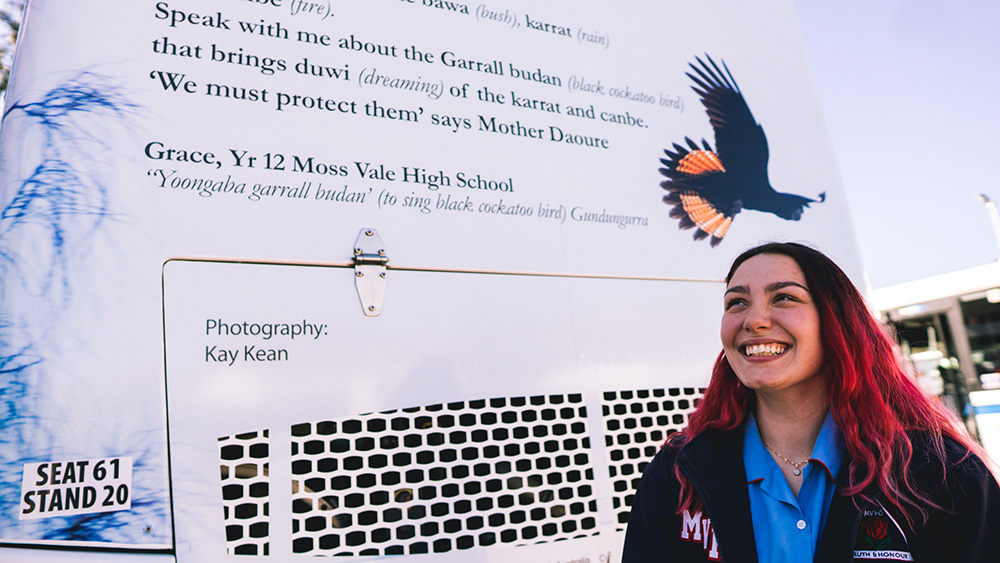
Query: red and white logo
point(696, 528)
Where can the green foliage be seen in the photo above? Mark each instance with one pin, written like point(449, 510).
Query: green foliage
point(10, 23)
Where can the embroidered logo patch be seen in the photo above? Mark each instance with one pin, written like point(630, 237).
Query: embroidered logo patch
point(877, 532)
point(879, 537)
point(696, 528)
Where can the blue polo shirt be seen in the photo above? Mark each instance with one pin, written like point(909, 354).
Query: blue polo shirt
point(787, 529)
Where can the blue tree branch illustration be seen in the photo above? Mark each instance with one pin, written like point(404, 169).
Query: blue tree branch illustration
point(46, 225)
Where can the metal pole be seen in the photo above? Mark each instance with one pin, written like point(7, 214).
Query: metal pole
point(991, 208)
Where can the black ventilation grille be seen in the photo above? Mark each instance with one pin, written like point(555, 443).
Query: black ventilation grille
point(636, 423)
point(433, 479)
point(444, 477)
point(243, 464)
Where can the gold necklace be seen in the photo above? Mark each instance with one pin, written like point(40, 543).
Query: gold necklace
point(797, 471)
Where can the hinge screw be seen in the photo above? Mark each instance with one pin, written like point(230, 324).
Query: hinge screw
point(371, 308)
point(359, 274)
point(357, 252)
point(369, 233)
point(381, 275)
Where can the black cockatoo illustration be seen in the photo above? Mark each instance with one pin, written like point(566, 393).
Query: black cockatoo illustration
point(708, 187)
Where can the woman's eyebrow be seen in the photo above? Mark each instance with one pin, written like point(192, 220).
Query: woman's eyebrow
point(737, 289)
point(771, 288)
point(783, 284)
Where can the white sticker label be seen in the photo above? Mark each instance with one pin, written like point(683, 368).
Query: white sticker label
point(884, 555)
point(65, 488)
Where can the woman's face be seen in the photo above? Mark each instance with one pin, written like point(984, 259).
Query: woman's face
point(770, 327)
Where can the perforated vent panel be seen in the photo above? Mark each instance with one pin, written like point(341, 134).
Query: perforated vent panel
point(636, 425)
point(507, 471)
point(244, 469)
point(444, 477)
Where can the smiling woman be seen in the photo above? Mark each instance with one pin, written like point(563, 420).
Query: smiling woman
point(811, 442)
point(771, 331)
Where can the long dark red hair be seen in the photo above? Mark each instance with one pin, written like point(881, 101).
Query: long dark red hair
point(873, 399)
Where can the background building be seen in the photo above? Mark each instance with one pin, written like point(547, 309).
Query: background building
point(949, 326)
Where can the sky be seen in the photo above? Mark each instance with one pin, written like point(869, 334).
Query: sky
point(909, 89)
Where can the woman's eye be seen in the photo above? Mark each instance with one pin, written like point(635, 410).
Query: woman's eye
point(734, 302)
point(785, 297)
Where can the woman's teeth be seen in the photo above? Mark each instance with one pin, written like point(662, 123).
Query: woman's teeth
point(765, 349)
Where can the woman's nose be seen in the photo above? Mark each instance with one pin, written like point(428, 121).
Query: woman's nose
point(758, 317)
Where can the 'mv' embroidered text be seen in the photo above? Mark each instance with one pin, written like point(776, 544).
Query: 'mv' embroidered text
point(696, 528)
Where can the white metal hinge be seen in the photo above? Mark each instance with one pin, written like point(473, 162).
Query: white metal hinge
point(369, 271)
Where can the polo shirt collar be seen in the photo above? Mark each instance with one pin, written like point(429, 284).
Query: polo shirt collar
point(828, 453)
point(829, 448)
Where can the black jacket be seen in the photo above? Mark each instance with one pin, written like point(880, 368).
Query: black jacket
point(968, 530)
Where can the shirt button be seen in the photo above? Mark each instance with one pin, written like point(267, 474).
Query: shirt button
point(801, 524)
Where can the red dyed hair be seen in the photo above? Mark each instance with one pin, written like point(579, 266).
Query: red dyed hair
point(874, 401)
